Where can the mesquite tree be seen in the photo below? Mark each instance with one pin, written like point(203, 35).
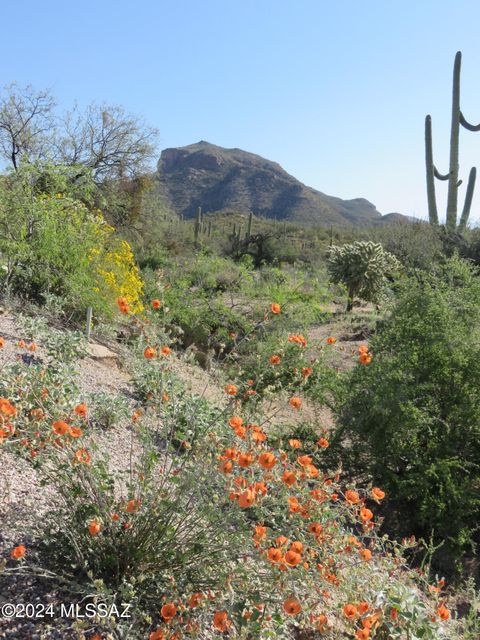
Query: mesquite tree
point(452, 176)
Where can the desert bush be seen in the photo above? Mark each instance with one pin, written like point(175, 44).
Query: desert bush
point(409, 418)
point(107, 409)
point(59, 346)
point(417, 245)
point(278, 360)
point(61, 246)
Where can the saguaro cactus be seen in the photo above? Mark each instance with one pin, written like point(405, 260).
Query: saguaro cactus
point(452, 176)
point(249, 225)
point(198, 225)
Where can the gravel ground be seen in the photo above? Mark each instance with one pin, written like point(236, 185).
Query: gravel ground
point(24, 502)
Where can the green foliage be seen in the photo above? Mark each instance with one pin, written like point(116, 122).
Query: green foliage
point(58, 345)
point(107, 409)
point(54, 244)
point(410, 418)
point(363, 267)
point(417, 245)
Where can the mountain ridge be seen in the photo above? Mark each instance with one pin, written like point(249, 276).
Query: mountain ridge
point(221, 179)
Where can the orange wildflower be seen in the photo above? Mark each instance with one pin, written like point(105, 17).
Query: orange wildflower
point(295, 402)
point(443, 612)
point(365, 554)
point(377, 494)
point(323, 442)
point(241, 432)
point(331, 340)
point(260, 531)
point(149, 353)
point(246, 499)
point(195, 600)
point(274, 554)
point(267, 460)
point(258, 435)
point(82, 456)
point(350, 611)
point(275, 308)
point(307, 371)
point(369, 621)
point(235, 422)
point(260, 487)
point(365, 514)
point(157, 635)
point(226, 467)
point(315, 528)
point(21, 344)
point(123, 305)
point(32, 347)
point(289, 478)
point(295, 444)
point(156, 304)
point(2, 342)
point(132, 505)
point(94, 528)
point(221, 621)
point(363, 607)
point(81, 409)
point(362, 634)
point(321, 622)
point(293, 558)
point(297, 546)
point(231, 390)
point(275, 359)
point(363, 348)
point(18, 552)
point(304, 461)
point(166, 351)
point(60, 427)
point(7, 408)
point(294, 505)
point(168, 611)
point(245, 460)
point(312, 471)
point(75, 432)
point(292, 606)
point(352, 497)
point(298, 339)
point(365, 358)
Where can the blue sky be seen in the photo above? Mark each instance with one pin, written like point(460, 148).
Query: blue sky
point(335, 91)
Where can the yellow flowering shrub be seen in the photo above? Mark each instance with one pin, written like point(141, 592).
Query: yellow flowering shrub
point(119, 276)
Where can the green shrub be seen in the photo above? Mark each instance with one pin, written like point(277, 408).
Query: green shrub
point(417, 245)
point(410, 418)
point(54, 243)
point(108, 409)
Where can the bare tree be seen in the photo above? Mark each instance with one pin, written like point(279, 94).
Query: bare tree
point(26, 120)
point(107, 140)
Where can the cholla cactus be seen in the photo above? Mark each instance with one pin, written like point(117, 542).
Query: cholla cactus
point(363, 267)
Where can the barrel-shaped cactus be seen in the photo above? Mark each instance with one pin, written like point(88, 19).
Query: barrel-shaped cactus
point(363, 267)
